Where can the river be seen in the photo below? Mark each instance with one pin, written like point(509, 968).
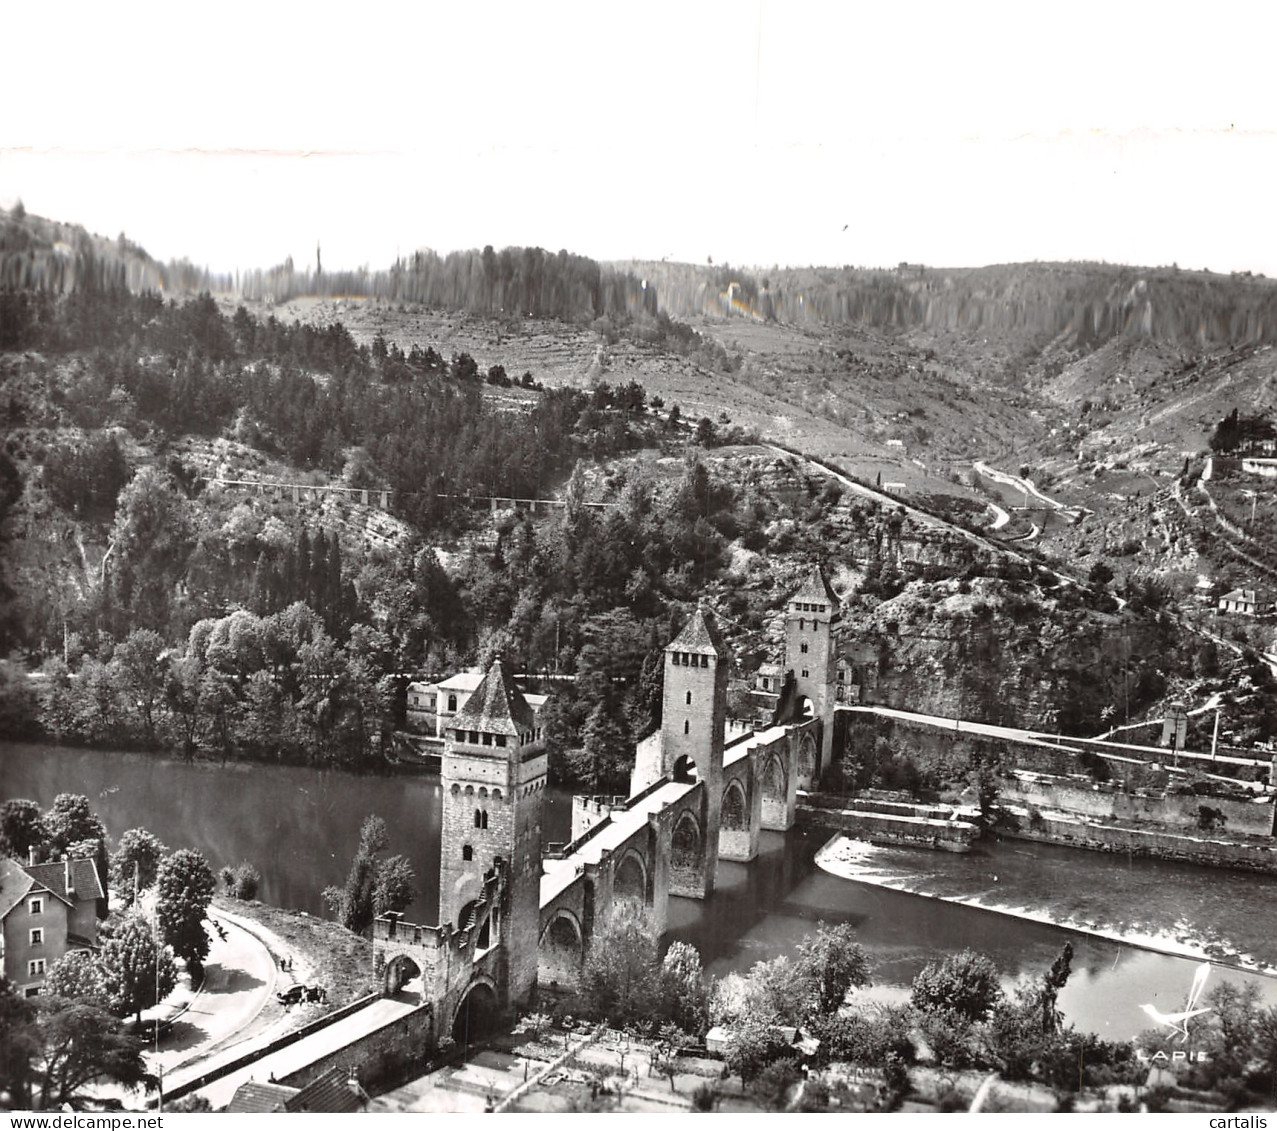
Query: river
point(300, 827)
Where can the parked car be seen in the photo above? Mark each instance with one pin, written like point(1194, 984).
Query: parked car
point(294, 995)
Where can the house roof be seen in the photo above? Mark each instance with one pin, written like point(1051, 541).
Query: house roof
point(497, 706)
point(1248, 595)
point(333, 1091)
point(255, 1097)
point(462, 681)
point(699, 635)
point(817, 588)
point(14, 885)
point(84, 874)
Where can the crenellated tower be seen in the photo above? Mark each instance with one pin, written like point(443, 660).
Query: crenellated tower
point(493, 778)
point(693, 723)
point(812, 620)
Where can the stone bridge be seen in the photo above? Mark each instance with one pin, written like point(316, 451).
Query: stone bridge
point(515, 919)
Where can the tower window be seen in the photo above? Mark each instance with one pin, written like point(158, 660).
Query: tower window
point(476, 818)
point(500, 740)
point(474, 737)
point(802, 624)
point(704, 661)
point(806, 673)
point(803, 647)
point(484, 815)
point(487, 739)
point(687, 726)
point(467, 852)
point(689, 698)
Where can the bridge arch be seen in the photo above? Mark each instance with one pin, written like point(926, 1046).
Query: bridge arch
point(629, 879)
point(478, 1013)
point(685, 769)
point(687, 851)
point(774, 791)
point(735, 813)
point(561, 952)
point(402, 974)
point(808, 760)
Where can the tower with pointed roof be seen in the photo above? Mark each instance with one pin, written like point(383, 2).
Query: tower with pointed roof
point(693, 723)
point(493, 778)
point(812, 619)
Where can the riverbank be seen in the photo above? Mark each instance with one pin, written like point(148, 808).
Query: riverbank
point(854, 860)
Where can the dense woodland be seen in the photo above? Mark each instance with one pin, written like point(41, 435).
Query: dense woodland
point(251, 629)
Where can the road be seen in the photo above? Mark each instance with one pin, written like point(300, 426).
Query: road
point(1020, 484)
point(239, 979)
point(925, 519)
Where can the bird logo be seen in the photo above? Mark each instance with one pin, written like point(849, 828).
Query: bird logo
point(1178, 1022)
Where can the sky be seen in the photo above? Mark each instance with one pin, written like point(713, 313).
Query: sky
point(756, 133)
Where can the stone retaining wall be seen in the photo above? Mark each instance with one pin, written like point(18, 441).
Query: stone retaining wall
point(1256, 857)
point(1176, 812)
point(381, 1056)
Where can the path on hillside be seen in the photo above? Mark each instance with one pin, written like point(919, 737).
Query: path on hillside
point(925, 519)
point(1027, 486)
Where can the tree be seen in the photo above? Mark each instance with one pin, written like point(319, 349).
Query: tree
point(832, 961)
point(77, 974)
point(603, 762)
point(757, 1044)
point(185, 886)
point(19, 1043)
point(683, 987)
point(137, 972)
point(621, 977)
point(966, 983)
point(373, 886)
point(21, 828)
point(395, 887)
point(242, 881)
point(140, 672)
point(69, 821)
point(136, 862)
point(79, 1045)
point(665, 1056)
point(1101, 574)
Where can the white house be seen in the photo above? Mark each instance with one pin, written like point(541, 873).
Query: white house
point(431, 705)
point(1243, 601)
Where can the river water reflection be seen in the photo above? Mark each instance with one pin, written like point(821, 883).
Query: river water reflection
point(300, 826)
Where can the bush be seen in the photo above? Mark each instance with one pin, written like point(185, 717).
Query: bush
point(966, 983)
point(772, 1085)
point(705, 1098)
point(242, 881)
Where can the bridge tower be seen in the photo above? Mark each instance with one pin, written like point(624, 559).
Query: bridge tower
point(493, 778)
point(693, 722)
point(812, 620)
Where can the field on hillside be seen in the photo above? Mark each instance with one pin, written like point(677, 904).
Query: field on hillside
point(793, 386)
